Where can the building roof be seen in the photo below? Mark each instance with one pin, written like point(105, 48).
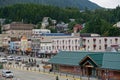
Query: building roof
point(109, 60)
point(68, 58)
point(97, 58)
point(55, 34)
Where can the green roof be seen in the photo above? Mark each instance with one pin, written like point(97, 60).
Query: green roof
point(109, 60)
point(68, 58)
point(97, 58)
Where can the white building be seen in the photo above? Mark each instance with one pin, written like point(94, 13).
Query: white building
point(47, 42)
point(37, 38)
point(45, 22)
point(72, 43)
point(117, 24)
point(95, 44)
point(40, 31)
point(99, 43)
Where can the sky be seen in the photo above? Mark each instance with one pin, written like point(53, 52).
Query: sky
point(107, 3)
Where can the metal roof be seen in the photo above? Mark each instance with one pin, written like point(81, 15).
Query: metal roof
point(108, 60)
point(55, 34)
point(68, 58)
point(111, 61)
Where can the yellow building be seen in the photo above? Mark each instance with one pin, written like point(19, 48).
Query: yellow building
point(24, 43)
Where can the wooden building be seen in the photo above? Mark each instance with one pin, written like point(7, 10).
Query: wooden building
point(102, 65)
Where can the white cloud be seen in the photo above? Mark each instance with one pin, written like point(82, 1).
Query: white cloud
point(107, 3)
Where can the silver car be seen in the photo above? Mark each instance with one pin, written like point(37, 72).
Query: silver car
point(3, 60)
point(7, 73)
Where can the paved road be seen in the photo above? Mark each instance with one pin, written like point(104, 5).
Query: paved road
point(28, 75)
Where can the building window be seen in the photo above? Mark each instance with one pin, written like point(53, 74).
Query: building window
point(84, 46)
point(76, 47)
point(53, 47)
point(72, 41)
point(88, 41)
point(105, 40)
point(88, 47)
point(63, 41)
point(94, 46)
point(110, 41)
point(105, 46)
point(69, 41)
point(75, 40)
point(99, 41)
point(63, 47)
point(99, 47)
point(116, 40)
point(69, 47)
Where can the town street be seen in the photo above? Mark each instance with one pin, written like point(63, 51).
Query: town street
point(30, 75)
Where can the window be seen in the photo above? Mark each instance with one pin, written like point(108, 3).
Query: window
point(99, 47)
point(110, 41)
point(99, 41)
point(75, 40)
point(88, 41)
point(105, 40)
point(116, 40)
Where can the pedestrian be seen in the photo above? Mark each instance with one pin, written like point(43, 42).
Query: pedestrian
point(29, 60)
point(35, 61)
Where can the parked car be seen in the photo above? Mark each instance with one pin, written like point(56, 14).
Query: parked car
point(7, 73)
point(3, 60)
point(18, 58)
point(10, 58)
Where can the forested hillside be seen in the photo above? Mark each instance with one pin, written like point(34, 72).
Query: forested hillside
point(98, 21)
point(81, 4)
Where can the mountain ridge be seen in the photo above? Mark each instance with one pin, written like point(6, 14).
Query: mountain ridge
point(81, 4)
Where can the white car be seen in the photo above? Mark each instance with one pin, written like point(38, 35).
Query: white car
point(10, 58)
point(3, 60)
point(18, 58)
point(7, 73)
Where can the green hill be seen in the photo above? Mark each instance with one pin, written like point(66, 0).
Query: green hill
point(81, 4)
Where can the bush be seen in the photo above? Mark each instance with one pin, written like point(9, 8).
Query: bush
point(1, 66)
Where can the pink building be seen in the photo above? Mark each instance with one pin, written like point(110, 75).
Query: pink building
point(99, 43)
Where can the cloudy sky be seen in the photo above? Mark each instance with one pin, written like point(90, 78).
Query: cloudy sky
point(107, 3)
